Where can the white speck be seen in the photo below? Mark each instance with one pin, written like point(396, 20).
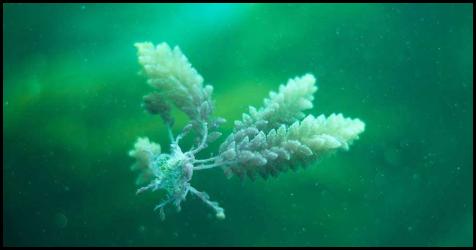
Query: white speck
point(60, 220)
point(416, 176)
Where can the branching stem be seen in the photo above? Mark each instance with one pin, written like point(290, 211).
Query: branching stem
point(201, 167)
point(202, 144)
point(171, 135)
point(205, 160)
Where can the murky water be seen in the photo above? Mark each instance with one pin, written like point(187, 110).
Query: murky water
point(71, 109)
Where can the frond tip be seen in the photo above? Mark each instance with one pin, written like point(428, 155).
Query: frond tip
point(144, 150)
point(284, 107)
point(275, 136)
point(171, 74)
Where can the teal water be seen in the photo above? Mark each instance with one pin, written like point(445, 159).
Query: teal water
point(71, 112)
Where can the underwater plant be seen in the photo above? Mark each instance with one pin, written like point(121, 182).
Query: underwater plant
point(266, 141)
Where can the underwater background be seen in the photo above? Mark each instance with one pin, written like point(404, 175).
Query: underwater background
point(72, 110)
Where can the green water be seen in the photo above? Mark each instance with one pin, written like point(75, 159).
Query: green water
point(71, 110)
